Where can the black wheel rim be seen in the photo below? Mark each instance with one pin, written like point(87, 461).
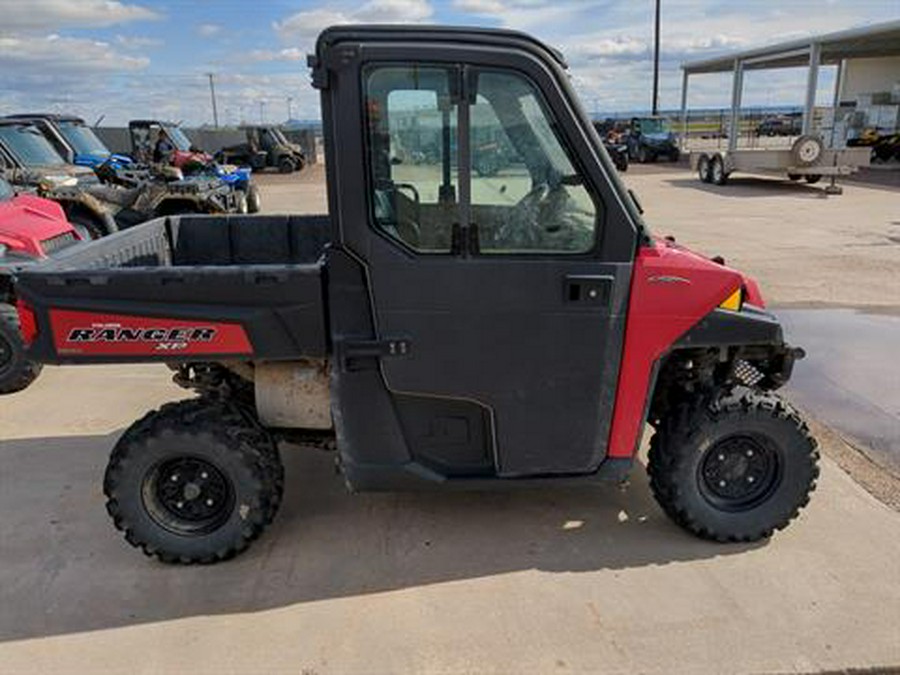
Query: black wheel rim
point(739, 473)
point(188, 495)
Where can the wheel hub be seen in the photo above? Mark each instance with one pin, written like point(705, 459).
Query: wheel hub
point(188, 494)
point(738, 472)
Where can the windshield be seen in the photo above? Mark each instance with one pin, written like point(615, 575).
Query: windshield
point(654, 126)
point(82, 139)
point(29, 146)
point(279, 136)
point(181, 141)
point(6, 191)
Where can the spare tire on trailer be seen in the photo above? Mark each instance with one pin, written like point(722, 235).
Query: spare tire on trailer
point(16, 371)
point(807, 150)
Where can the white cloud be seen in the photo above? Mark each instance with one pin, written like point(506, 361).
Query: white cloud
point(306, 25)
point(287, 54)
point(44, 15)
point(208, 29)
point(137, 42)
point(55, 56)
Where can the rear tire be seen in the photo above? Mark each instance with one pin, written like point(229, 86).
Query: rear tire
point(194, 482)
point(286, 165)
point(16, 371)
point(813, 178)
point(736, 469)
point(254, 200)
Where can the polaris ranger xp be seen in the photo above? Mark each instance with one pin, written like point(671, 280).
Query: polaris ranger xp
point(438, 329)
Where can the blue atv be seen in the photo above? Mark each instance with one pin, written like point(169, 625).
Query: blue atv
point(650, 138)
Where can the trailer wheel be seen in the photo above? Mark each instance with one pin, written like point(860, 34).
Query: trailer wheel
point(813, 178)
point(717, 173)
point(16, 372)
point(254, 201)
point(736, 469)
point(194, 482)
point(795, 176)
point(703, 168)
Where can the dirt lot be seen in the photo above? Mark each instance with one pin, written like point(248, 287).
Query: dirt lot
point(550, 581)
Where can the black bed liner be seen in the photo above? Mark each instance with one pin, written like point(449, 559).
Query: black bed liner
point(262, 272)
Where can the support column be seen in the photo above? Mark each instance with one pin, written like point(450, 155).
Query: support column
point(684, 95)
point(812, 81)
point(836, 100)
point(737, 87)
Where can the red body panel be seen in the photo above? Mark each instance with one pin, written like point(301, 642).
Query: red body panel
point(671, 290)
point(26, 221)
point(91, 334)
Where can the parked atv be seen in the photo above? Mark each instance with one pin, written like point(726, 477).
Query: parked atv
point(30, 162)
point(650, 138)
point(31, 229)
point(159, 142)
point(266, 147)
point(615, 146)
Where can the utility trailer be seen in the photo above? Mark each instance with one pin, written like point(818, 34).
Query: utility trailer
point(439, 329)
point(815, 153)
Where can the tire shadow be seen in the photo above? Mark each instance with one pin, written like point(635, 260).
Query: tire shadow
point(66, 569)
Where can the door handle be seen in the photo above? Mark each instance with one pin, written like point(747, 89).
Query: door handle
point(588, 289)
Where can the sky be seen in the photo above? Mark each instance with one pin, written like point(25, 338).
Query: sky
point(122, 59)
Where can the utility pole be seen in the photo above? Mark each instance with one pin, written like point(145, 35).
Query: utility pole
point(290, 99)
point(212, 93)
point(262, 112)
point(656, 62)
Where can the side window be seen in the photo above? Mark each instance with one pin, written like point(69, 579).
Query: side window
point(527, 196)
point(412, 149)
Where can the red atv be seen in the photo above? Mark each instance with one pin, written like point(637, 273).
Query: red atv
point(31, 229)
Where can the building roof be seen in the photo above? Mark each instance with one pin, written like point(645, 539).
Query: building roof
point(881, 39)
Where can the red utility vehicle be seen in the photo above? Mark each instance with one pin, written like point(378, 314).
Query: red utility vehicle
point(440, 328)
point(31, 229)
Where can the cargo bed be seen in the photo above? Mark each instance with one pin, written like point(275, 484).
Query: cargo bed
point(183, 288)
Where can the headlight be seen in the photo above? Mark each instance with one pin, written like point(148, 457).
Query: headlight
point(733, 301)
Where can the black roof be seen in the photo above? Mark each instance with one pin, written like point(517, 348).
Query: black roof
point(424, 33)
point(53, 117)
point(147, 123)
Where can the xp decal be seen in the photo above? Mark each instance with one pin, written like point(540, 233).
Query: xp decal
point(93, 334)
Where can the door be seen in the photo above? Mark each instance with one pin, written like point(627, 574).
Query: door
point(487, 258)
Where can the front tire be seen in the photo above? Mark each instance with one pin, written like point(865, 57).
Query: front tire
point(195, 482)
point(734, 470)
point(16, 371)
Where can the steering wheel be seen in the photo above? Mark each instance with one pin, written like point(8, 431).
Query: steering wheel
point(522, 228)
